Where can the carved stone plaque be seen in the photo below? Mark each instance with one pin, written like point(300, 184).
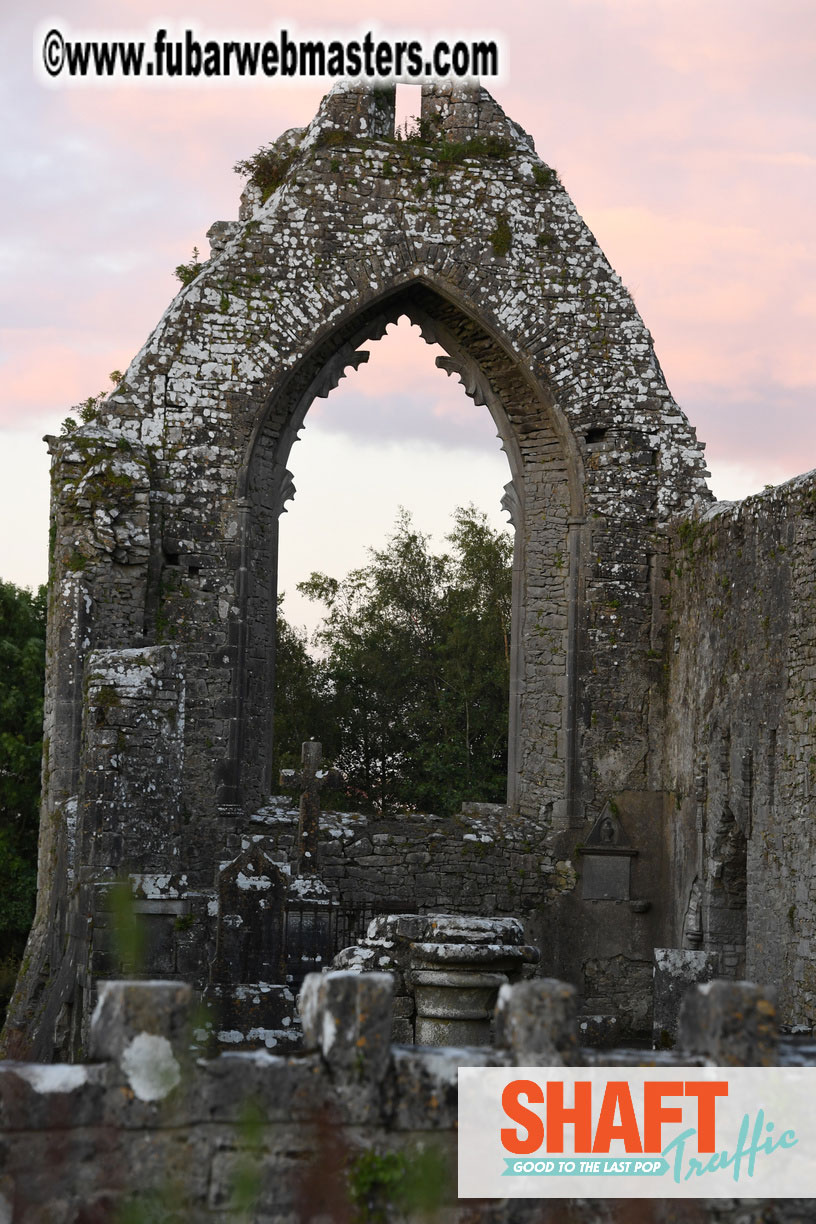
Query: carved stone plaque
point(606, 877)
point(607, 858)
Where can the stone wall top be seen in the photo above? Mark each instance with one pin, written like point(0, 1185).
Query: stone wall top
point(147, 1129)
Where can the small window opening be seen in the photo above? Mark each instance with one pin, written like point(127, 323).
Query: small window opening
point(407, 109)
point(595, 436)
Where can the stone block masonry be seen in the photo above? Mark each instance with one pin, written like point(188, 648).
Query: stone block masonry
point(742, 737)
point(484, 865)
point(351, 1128)
point(133, 728)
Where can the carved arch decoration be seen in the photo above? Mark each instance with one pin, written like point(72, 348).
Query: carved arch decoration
point(492, 377)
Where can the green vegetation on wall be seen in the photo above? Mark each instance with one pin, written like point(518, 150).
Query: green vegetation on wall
point(22, 662)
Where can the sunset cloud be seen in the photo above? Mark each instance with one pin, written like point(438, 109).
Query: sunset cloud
point(684, 133)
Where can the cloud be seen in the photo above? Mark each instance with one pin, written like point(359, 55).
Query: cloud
point(42, 374)
point(377, 403)
point(727, 303)
point(684, 133)
point(769, 429)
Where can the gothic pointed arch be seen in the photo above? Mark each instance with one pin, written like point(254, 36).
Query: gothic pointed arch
point(536, 440)
point(165, 513)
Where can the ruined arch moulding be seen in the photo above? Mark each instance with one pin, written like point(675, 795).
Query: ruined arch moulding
point(517, 406)
point(164, 573)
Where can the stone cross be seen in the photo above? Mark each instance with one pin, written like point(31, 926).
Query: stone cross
point(311, 779)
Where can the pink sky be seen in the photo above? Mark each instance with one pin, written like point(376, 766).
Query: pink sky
point(684, 133)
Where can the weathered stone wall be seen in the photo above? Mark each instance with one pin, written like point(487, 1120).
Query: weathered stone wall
point(486, 865)
point(99, 561)
point(424, 864)
point(474, 864)
point(489, 256)
point(133, 744)
point(146, 1133)
point(741, 698)
point(166, 511)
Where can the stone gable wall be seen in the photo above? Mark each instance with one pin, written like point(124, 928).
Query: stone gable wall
point(421, 864)
point(359, 231)
point(165, 509)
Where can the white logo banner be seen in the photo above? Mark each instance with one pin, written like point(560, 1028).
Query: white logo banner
point(637, 1132)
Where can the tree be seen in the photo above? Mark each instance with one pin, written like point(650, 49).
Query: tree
point(417, 667)
point(22, 662)
point(302, 700)
point(471, 671)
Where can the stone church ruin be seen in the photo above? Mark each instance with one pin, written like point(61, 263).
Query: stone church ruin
point(661, 771)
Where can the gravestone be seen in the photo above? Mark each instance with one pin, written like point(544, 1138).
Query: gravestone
point(251, 920)
point(251, 1000)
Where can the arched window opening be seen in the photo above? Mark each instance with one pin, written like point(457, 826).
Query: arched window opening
point(396, 654)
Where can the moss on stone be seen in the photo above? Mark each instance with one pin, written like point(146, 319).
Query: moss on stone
point(502, 236)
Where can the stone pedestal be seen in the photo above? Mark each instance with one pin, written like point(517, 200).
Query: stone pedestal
point(347, 1017)
point(145, 1028)
point(448, 970)
point(454, 1007)
point(730, 1024)
point(536, 1023)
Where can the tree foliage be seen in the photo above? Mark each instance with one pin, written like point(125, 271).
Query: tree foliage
point(410, 694)
point(22, 659)
point(408, 690)
point(301, 697)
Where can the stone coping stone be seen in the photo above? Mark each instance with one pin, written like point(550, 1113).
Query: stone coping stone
point(446, 928)
point(458, 979)
point(513, 955)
